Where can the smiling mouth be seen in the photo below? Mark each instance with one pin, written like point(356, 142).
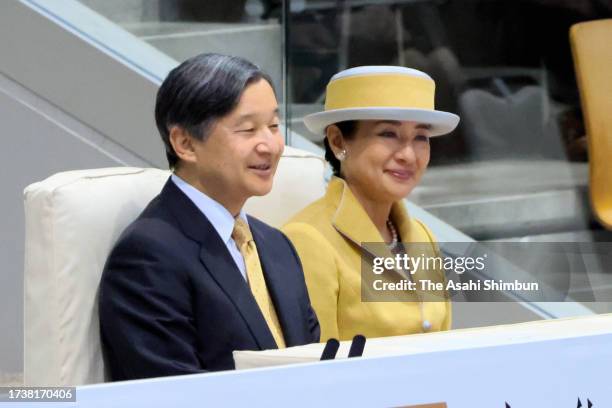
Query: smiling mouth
point(401, 174)
point(262, 170)
point(262, 167)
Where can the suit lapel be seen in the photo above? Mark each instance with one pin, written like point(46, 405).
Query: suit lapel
point(221, 266)
point(286, 305)
point(217, 260)
point(351, 220)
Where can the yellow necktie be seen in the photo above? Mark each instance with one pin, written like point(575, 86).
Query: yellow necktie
point(244, 240)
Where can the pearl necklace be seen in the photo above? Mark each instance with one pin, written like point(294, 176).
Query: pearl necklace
point(394, 240)
point(425, 324)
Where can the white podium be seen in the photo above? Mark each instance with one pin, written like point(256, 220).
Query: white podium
point(549, 363)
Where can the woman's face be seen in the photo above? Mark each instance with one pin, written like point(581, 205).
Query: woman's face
point(385, 159)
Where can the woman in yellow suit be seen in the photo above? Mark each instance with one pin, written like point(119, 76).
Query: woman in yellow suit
point(377, 124)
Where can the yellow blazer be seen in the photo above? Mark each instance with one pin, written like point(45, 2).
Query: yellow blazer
point(327, 235)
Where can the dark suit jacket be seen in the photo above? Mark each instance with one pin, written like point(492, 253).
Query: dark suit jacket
point(172, 300)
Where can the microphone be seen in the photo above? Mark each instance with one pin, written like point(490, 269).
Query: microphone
point(357, 346)
point(330, 350)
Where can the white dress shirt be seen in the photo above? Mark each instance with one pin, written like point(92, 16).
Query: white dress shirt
point(220, 218)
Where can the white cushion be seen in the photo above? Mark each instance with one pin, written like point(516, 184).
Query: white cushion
point(72, 221)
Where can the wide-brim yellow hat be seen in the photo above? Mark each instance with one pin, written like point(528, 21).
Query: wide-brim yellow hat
point(381, 93)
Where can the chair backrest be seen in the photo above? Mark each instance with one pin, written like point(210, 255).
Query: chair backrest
point(592, 53)
point(72, 221)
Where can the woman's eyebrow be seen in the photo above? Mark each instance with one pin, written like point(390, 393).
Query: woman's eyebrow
point(390, 122)
point(423, 126)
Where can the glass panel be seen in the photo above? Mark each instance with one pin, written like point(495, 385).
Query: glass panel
point(184, 28)
point(516, 167)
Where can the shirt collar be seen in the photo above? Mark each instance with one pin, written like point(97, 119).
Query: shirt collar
point(221, 219)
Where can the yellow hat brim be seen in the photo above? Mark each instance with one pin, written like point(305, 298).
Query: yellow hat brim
point(441, 122)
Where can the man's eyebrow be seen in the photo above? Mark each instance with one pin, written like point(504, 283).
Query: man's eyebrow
point(424, 126)
point(247, 116)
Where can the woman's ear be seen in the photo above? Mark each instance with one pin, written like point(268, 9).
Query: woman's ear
point(182, 143)
point(335, 140)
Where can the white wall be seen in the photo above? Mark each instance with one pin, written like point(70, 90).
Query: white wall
point(38, 140)
point(64, 104)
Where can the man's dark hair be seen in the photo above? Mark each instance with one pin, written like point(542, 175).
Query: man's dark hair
point(348, 129)
point(201, 90)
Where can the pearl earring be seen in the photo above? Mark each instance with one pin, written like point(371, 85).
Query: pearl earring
point(342, 155)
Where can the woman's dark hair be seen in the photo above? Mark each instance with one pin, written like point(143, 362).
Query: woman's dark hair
point(201, 90)
point(348, 129)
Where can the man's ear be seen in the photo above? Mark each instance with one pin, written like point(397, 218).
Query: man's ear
point(335, 139)
point(182, 143)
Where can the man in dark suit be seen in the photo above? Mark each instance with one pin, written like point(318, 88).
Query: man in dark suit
point(194, 278)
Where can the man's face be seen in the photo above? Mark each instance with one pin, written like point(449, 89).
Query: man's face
point(239, 157)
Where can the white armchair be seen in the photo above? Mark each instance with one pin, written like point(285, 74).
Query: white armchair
point(72, 220)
